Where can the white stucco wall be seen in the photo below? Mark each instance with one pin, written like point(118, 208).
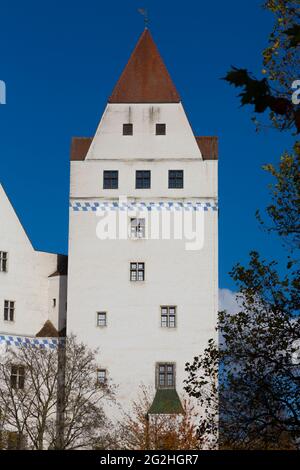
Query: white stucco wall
point(133, 341)
point(57, 289)
point(26, 282)
point(200, 179)
point(179, 142)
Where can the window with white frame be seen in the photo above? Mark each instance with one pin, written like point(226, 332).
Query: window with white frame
point(168, 316)
point(165, 375)
point(137, 228)
point(101, 376)
point(17, 377)
point(101, 319)
point(137, 271)
point(9, 310)
point(3, 261)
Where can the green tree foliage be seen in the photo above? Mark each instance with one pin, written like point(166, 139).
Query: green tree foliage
point(284, 210)
point(259, 382)
point(281, 60)
point(257, 399)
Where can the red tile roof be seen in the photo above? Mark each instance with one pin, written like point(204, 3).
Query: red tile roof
point(80, 147)
point(208, 147)
point(47, 331)
point(145, 78)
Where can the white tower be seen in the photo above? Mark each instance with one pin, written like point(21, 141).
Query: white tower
point(148, 303)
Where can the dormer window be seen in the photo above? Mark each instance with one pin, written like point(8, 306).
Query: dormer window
point(128, 129)
point(160, 129)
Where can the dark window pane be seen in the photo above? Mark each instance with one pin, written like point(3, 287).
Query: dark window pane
point(21, 382)
point(3, 261)
point(160, 129)
point(101, 320)
point(176, 179)
point(168, 317)
point(9, 309)
point(137, 271)
point(143, 179)
point(166, 376)
point(101, 376)
point(110, 179)
point(13, 381)
point(17, 377)
point(127, 129)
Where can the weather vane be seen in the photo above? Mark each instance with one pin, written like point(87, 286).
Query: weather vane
point(144, 13)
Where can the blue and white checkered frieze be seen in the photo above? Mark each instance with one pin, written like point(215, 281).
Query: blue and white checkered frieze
point(20, 341)
point(105, 206)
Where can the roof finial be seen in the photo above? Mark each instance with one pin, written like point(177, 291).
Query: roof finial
point(144, 13)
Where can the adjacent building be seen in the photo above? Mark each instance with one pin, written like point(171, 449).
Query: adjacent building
point(33, 284)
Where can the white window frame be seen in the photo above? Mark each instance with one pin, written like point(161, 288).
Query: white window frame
point(98, 320)
point(19, 375)
point(103, 379)
point(137, 271)
point(168, 316)
point(167, 374)
point(137, 228)
point(10, 306)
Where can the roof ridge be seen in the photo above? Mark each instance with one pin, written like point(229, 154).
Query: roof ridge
point(145, 78)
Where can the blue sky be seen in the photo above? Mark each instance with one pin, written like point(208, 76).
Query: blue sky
point(60, 61)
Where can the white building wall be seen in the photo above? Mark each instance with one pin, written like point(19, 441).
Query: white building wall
point(200, 179)
point(133, 341)
point(57, 310)
point(110, 143)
